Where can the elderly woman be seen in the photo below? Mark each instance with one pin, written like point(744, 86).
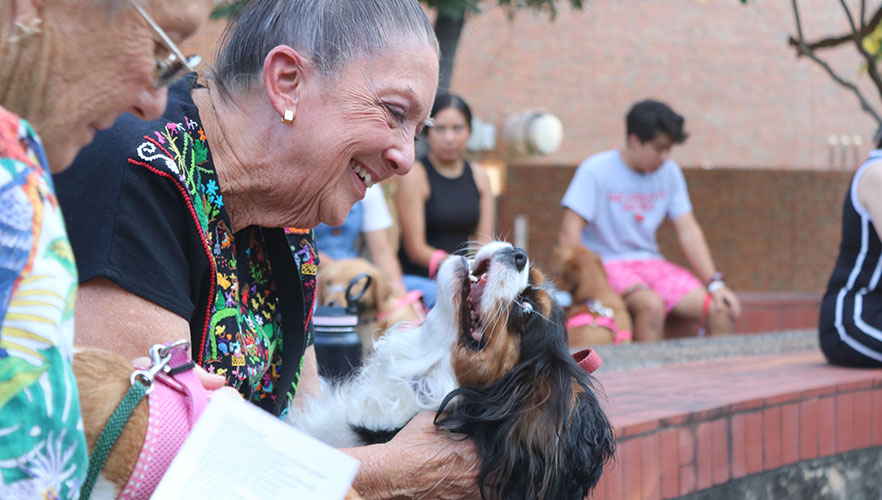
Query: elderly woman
point(177, 224)
point(68, 67)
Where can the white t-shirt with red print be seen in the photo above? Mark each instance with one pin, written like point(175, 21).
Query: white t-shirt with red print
point(623, 207)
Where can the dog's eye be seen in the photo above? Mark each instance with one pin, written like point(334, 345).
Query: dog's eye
point(526, 308)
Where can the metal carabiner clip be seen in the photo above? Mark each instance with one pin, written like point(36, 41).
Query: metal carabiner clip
point(160, 355)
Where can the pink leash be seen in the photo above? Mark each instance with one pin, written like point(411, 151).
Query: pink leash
point(175, 403)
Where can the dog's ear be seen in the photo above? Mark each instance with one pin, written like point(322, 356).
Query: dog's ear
point(380, 290)
point(590, 277)
point(564, 268)
point(591, 444)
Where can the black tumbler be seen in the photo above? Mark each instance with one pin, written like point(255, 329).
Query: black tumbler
point(337, 345)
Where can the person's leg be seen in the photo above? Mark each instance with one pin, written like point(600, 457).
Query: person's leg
point(685, 296)
point(648, 312)
point(853, 340)
point(645, 306)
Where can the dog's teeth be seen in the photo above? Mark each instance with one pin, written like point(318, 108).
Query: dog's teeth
point(473, 278)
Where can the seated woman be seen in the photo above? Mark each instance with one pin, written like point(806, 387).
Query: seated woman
point(851, 311)
point(177, 224)
point(369, 218)
point(445, 202)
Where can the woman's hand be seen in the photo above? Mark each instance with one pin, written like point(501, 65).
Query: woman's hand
point(209, 381)
point(421, 461)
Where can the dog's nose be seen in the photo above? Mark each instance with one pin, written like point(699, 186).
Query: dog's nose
point(516, 257)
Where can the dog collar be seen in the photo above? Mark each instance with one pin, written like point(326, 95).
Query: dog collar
point(174, 405)
point(588, 360)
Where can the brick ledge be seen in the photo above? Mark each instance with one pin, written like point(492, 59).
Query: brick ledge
point(685, 428)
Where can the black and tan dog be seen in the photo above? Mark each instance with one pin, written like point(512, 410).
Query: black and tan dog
point(492, 359)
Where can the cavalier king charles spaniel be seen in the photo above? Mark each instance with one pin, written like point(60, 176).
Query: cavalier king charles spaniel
point(492, 359)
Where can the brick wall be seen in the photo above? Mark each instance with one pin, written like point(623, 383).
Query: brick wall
point(769, 230)
point(749, 102)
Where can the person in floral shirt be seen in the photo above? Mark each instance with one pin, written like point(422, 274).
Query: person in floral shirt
point(58, 57)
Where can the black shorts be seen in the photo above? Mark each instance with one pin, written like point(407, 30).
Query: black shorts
point(858, 340)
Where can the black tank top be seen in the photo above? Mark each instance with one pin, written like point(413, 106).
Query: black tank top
point(858, 267)
point(452, 212)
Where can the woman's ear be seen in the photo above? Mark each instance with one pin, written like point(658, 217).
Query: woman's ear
point(284, 72)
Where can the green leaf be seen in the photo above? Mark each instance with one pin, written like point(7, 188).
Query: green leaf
point(228, 8)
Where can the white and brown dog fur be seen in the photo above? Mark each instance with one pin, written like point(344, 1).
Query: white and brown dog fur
point(492, 359)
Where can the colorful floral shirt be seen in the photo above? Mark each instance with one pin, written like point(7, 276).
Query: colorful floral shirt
point(43, 453)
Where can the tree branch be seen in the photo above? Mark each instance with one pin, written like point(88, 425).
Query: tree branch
point(825, 43)
point(804, 49)
point(870, 58)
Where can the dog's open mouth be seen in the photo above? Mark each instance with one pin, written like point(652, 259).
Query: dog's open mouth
point(472, 290)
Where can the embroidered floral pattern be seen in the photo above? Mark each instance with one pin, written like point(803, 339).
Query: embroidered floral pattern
point(43, 451)
point(243, 338)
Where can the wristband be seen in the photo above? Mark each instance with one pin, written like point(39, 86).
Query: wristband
point(435, 262)
point(717, 276)
point(715, 285)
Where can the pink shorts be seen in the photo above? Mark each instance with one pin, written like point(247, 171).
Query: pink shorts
point(669, 280)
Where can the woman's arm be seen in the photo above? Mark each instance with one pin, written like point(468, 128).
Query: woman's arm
point(487, 221)
point(380, 251)
point(410, 201)
point(112, 318)
point(870, 194)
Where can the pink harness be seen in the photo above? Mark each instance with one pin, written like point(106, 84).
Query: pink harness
point(175, 403)
point(412, 298)
point(590, 319)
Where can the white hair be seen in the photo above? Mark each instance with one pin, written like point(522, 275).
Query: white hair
point(330, 33)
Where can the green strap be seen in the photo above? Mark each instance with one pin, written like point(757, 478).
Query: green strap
point(110, 433)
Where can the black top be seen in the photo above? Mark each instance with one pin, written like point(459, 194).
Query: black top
point(144, 208)
point(851, 311)
point(452, 213)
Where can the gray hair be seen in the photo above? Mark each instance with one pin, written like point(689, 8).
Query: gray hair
point(330, 33)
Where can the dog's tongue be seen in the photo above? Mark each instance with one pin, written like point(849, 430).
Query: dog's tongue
point(476, 293)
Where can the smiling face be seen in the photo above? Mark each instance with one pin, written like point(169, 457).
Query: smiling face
point(359, 128)
point(102, 65)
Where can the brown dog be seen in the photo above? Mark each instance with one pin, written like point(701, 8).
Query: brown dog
point(103, 379)
point(598, 314)
point(382, 307)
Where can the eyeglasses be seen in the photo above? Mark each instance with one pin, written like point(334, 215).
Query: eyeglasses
point(176, 65)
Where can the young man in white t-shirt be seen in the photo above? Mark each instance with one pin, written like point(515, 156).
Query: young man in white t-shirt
point(614, 206)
